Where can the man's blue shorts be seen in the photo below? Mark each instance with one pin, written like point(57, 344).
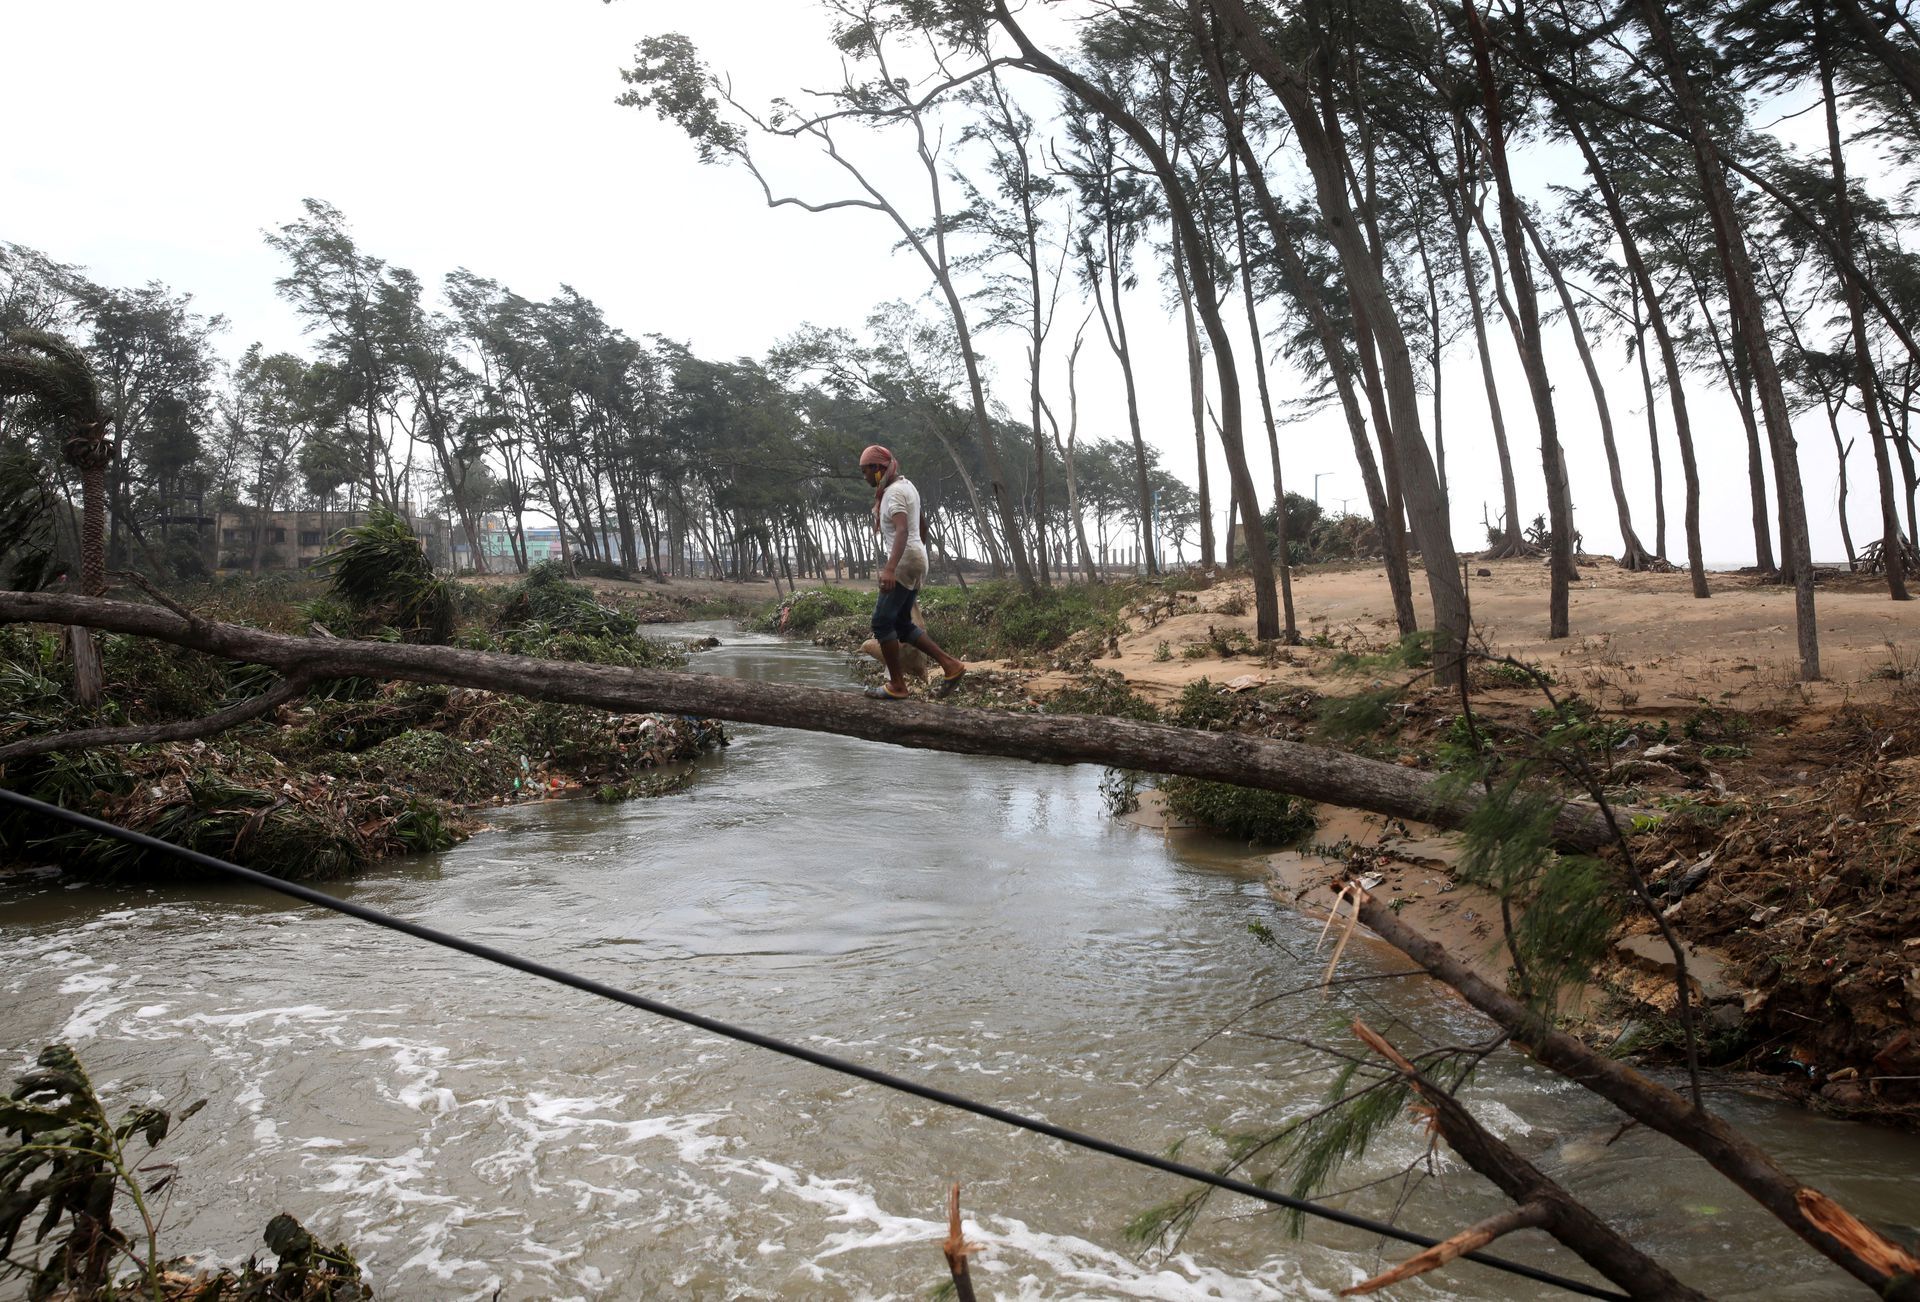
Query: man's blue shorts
point(893, 615)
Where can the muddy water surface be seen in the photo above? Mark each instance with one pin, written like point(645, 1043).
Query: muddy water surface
point(978, 923)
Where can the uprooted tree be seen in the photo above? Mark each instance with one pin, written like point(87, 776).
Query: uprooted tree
point(1506, 805)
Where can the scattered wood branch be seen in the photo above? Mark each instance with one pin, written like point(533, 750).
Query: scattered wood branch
point(185, 730)
point(1312, 772)
point(1539, 1200)
point(1852, 1246)
point(1471, 1239)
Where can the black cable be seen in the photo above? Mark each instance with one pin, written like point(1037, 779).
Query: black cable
point(874, 1075)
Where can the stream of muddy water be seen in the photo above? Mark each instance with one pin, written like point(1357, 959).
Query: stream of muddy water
point(978, 923)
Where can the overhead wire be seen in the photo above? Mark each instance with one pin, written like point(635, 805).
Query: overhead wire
point(786, 1048)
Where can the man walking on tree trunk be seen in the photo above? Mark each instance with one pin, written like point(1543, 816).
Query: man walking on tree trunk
point(897, 517)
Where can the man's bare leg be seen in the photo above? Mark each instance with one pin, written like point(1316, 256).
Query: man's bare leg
point(890, 652)
point(948, 665)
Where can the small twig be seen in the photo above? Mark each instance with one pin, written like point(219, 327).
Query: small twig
point(1353, 922)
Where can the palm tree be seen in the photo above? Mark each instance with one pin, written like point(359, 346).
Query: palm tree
point(59, 392)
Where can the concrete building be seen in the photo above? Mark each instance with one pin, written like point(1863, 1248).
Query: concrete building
point(294, 540)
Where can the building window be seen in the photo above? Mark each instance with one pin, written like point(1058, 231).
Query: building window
point(276, 535)
point(309, 537)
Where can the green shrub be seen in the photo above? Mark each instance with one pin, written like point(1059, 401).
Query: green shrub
point(1120, 790)
point(1244, 813)
point(628, 650)
point(436, 764)
point(154, 681)
point(806, 611)
point(1102, 691)
point(1201, 707)
point(547, 597)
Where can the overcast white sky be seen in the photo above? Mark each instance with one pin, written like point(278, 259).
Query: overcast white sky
point(157, 141)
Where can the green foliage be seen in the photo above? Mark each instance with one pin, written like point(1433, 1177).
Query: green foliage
point(434, 764)
point(1201, 706)
point(68, 1161)
point(1563, 906)
point(647, 786)
point(986, 621)
point(382, 574)
point(1313, 535)
point(803, 612)
point(1319, 1146)
point(1710, 723)
point(586, 567)
point(628, 650)
point(248, 825)
point(155, 681)
point(353, 723)
point(1162, 652)
point(28, 540)
point(1244, 813)
point(1412, 652)
point(1350, 718)
point(547, 598)
point(998, 620)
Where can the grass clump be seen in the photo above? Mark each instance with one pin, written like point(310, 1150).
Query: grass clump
point(1102, 691)
point(1244, 813)
point(1201, 706)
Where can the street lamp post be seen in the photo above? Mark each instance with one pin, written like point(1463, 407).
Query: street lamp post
point(1318, 476)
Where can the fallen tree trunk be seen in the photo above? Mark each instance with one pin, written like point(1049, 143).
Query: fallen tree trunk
point(1881, 1264)
point(1313, 772)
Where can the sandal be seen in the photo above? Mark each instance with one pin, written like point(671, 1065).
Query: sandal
point(945, 687)
point(883, 693)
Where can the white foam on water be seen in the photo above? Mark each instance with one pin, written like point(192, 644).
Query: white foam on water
point(418, 1066)
point(1025, 1263)
point(86, 1020)
point(86, 983)
point(281, 1017)
point(389, 1180)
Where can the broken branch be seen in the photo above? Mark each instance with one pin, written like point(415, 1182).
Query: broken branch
point(1554, 1209)
point(1471, 1239)
point(186, 730)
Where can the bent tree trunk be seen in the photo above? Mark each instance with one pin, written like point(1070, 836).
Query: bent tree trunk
point(1532, 352)
point(1751, 326)
point(1311, 772)
point(1426, 508)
